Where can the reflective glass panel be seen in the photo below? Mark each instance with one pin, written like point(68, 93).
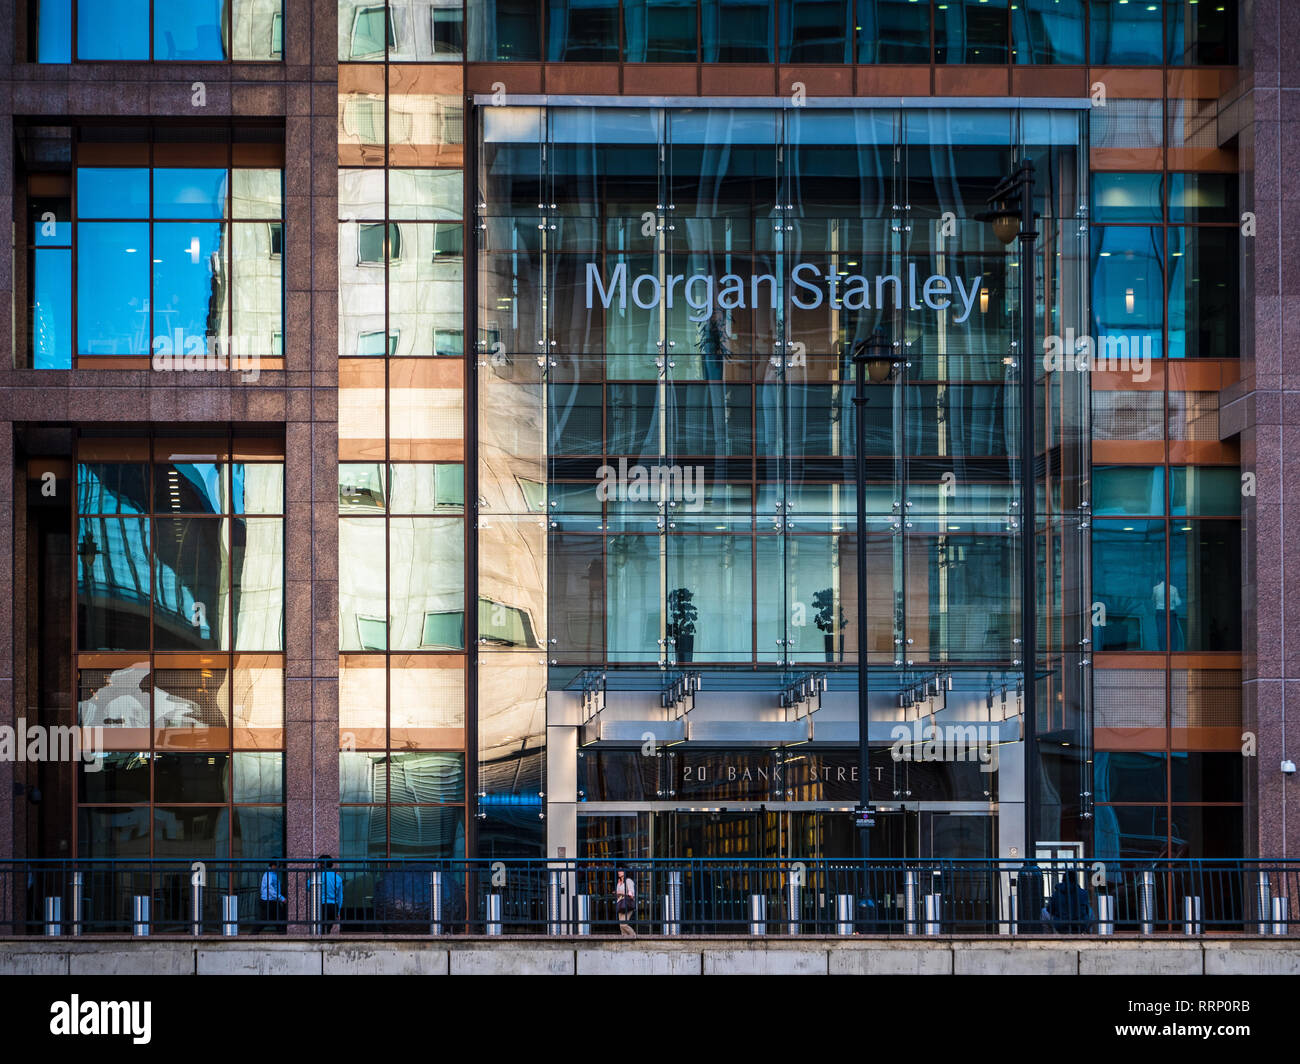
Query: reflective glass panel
point(188, 30)
point(113, 29)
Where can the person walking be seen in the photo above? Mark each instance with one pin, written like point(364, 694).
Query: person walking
point(625, 904)
point(273, 904)
point(331, 900)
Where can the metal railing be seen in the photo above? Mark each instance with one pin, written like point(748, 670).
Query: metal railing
point(673, 897)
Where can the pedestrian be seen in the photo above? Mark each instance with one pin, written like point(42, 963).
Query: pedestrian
point(331, 900)
point(273, 904)
point(625, 904)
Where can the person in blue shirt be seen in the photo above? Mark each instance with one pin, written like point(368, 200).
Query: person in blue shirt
point(331, 898)
point(273, 905)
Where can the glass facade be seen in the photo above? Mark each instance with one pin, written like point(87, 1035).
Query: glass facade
point(179, 645)
point(664, 374)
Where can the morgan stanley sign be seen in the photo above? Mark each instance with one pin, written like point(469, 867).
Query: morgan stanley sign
point(810, 287)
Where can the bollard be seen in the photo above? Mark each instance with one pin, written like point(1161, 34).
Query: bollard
point(230, 915)
point(793, 905)
point(494, 914)
point(934, 914)
point(1013, 910)
point(844, 914)
point(196, 907)
point(53, 917)
point(1280, 920)
point(314, 893)
point(435, 903)
point(582, 914)
point(1147, 903)
point(78, 894)
point(1263, 905)
point(140, 916)
point(1191, 915)
point(758, 914)
point(1105, 914)
point(673, 912)
point(911, 902)
point(555, 902)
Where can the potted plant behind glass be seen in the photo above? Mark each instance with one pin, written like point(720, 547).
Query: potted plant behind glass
point(681, 625)
point(824, 603)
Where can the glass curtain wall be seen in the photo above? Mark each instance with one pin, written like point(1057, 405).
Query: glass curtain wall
point(668, 301)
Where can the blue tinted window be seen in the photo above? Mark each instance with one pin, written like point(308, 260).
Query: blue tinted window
point(660, 31)
point(1207, 490)
point(113, 583)
point(1126, 34)
point(1203, 303)
point(1203, 34)
point(112, 193)
point(113, 29)
point(505, 29)
point(179, 193)
point(189, 488)
point(1138, 490)
point(1203, 198)
point(816, 31)
point(52, 309)
point(738, 31)
point(113, 288)
point(188, 294)
point(582, 31)
point(1128, 579)
point(1130, 777)
point(112, 488)
point(893, 31)
point(1047, 31)
point(1126, 197)
point(1127, 285)
point(54, 31)
point(188, 30)
point(1205, 581)
point(971, 31)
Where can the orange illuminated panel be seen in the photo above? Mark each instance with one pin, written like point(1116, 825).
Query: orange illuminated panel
point(426, 409)
point(362, 416)
point(363, 718)
point(428, 702)
point(361, 120)
point(257, 711)
point(426, 115)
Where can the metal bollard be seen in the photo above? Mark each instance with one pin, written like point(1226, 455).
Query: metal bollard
point(1191, 915)
point(494, 914)
point(555, 922)
point(78, 894)
point(1105, 914)
point(314, 893)
point(435, 903)
point(582, 914)
point(911, 902)
point(844, 914)
point(1013, 911)
point(934, 914)
point(1263, 904)
point(673, 905)
point(196, 907)
point(53, 917)
point(1147, 903)
point(1280, 916)
point(230, 915)
point(140, 915)
point(758, 914)
point(793, 905)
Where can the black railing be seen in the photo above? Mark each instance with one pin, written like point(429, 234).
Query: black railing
point(673, 897)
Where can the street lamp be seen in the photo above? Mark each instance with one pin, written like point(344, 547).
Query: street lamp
point(871, 361)
point(1011, 216)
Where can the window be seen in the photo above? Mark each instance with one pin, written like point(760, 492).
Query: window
point(403, 31)
point(196, 31)
point(170, 262)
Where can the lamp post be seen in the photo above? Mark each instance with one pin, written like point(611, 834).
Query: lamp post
point(1011, 214)
point(871, 360)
